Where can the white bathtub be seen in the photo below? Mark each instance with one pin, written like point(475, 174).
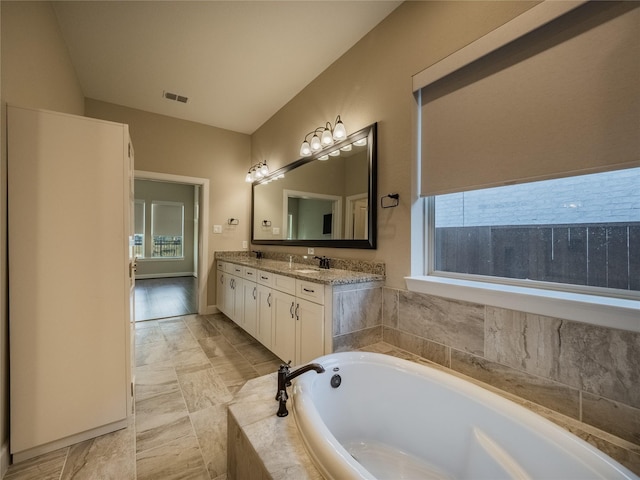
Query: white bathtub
point(395, 419)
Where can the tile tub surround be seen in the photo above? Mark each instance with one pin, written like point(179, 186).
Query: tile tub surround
point(586, 372)
point(264, 446)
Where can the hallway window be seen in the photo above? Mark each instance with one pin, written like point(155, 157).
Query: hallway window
point(167, 229)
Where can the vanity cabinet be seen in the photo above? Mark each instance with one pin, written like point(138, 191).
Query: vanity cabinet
point(285, 314)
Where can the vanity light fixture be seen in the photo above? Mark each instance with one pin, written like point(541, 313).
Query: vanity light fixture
point(328, 136)
point(360, 143)
point(256, 172)
point(323, 157)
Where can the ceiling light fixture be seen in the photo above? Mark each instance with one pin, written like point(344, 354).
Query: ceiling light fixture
point(328, 136)
point(256, 172)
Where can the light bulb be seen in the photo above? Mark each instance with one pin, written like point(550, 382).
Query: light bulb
point(323, 157)
point(361, 142)
point(335, 153)
point(315, 143)
point(305, 149)
point(346, 148)
point(248, 178)
point(339, 131)
point(264, 170)
point(326, 139)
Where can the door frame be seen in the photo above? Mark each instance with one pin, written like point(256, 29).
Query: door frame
point(203, 227)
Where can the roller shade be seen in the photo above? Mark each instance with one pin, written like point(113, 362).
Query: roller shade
point(139, 217)
point(561, 100)
point(167, 218)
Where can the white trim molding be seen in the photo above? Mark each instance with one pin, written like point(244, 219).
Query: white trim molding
point(607, 312)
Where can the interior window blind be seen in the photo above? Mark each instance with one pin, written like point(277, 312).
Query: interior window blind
point(166, 218)
point(561, 100)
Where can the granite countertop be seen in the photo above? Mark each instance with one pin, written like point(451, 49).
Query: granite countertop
point(311, 273)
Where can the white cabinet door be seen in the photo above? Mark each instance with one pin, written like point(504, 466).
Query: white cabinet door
point(264, 316)
point(249, 318)
point(230, 296)
point(284, 326)
point(238, 301)
point(221, 288)
point(309, 331)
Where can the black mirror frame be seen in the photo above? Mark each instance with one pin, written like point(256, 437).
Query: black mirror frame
point(371, 133)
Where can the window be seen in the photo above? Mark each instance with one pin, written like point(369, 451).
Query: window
point(583, 231)
point(167, 229)
point(139, 222)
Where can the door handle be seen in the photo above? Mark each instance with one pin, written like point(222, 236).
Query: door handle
point(269, 300)
point(254, 293)
point(297, 309)
point(291, 309)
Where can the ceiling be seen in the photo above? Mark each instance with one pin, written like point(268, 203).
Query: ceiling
point(238, 62)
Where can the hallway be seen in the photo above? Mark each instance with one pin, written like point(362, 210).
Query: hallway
point(166, 297)
point(187, 370)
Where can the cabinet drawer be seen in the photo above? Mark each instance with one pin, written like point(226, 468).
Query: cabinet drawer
point(314, 292)
point(221, 265)
point(233, 269)
point(264, 278)
point(284, 284)
point(249, 273)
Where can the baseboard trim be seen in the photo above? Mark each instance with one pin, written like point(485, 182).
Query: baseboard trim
point(211, 309)
point(67, 441)
point(5, 459)
point(164, 275)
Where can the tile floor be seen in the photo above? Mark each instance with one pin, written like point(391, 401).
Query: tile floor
point(187, 370)
point(165, 297)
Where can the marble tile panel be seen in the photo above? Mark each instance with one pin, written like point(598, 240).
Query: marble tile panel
point(190, 360)
point(599, 360)
point(268, 367)
point(180, 341)
point(421, 347)
point(256, 353)
point(357, 310)
point(356, 340)
point(148, 335)
point(236, 336)
point(203, 389)
point(154, 379)
point(201, 327)
point(216, 347)
point(228, 359)
point(390, 307)
point(548, 393)
point(616, 418)
point(179, 459)
point(242, 461)
point(210, 425)
point(165, 433)
point(152, 353)
point(452, 323)
point(107, 457)
point(173, 325)
point(158, 410)
point(43, 467)
point(348, 287)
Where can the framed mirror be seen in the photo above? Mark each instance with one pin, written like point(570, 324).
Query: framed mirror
point(325, 200)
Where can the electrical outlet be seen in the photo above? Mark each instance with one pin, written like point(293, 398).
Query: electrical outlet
point(310, 251)
point(245, 244)
point(276, 230)
point(217, 229)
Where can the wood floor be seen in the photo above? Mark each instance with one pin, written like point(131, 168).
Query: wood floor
point(166, 297)
point(187, 370)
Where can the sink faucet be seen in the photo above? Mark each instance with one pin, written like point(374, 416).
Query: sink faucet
point(324, 262)
point(258, 254)
point(284, 380)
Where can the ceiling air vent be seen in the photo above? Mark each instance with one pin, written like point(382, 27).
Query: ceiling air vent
point(175, 97)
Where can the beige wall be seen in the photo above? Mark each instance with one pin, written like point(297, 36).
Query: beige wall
point(36, 72)
point(372, 83)
point(169, 145)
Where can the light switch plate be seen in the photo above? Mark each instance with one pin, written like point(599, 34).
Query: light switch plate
point(310, 251)
point(245, 244)
point(217, 229)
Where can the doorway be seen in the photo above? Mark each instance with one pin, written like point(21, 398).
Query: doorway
point(183, 290)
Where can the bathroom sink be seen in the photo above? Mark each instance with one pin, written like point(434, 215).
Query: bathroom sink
point(307, 270)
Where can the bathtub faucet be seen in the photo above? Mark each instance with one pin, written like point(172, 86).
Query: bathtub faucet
point(284, 380)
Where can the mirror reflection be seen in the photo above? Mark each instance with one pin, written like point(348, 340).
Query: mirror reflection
point(322, 200)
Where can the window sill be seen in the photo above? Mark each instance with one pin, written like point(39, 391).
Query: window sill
point(597, 310)
point(161, 259)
